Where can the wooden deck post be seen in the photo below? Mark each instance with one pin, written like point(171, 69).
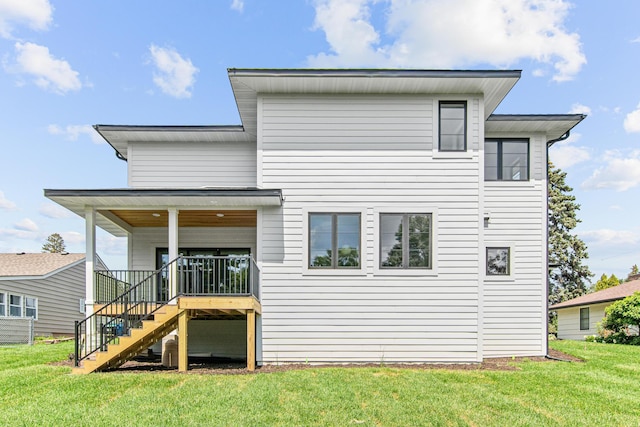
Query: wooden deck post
point(251, 340)
point(183, 356)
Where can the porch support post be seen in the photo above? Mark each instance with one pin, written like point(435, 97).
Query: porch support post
point(183, 333)
point(173, 252)
point(251, 340)
point(90, 256)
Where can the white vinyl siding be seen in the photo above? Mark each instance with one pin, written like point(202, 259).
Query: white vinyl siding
point(362, 153)
point(569, 321)
point(192, 164)
point(514, 309)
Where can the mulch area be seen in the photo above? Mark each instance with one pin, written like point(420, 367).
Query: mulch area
point(237, 368)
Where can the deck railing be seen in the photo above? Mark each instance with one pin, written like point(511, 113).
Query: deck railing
point(130, 296)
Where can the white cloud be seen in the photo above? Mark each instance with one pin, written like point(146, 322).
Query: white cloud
point(26, 225)
point(174, 75)
point(431, 34)
point(47, 72)
point(5, 203)
point(632, 121)
point(564, 154)
point(578, 108)
point(73, 132)
point(608, 237)
point(237, 5)
point(72, 237)
point(53, 211)
point(636, 40)
point(619, 173)
point(36, 14)
point(616, 208)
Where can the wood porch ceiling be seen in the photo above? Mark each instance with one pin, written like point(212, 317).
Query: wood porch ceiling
point(188, 218)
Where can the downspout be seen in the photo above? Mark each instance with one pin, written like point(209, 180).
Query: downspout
point(546, 336)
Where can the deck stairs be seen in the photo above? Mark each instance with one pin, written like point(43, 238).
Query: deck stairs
point(163, 321)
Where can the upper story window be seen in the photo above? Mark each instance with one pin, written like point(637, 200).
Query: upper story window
point(506, 160)
point(453, 126)
point(405, 240)
point(334, 240)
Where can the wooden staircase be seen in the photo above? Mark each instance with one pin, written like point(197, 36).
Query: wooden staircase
point(165, 319)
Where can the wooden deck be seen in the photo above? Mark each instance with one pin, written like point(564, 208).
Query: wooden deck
point(177, 317)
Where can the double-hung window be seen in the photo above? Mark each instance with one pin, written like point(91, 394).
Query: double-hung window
point(584, 319)
point(31, 307)
point(453, 126)
point(506, 160)
point(15, 305)
point(334, 241)
point(3, 304)
point(405, 240)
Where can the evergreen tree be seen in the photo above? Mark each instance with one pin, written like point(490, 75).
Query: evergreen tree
point(54, 244)
point(568, 276)
point(634, 272)
point(606, 282)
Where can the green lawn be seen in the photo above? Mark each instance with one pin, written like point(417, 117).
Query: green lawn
point(604, 391)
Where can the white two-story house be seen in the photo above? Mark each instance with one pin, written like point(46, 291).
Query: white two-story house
point(354, 216)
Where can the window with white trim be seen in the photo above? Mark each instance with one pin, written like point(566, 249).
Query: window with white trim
point(498, 261)
point(334, 240)
point(405, 240)
point(3, 304)
point(15, 305)
point(31, 307)
point(584, 318)
point(453, 126)
point(506, 160)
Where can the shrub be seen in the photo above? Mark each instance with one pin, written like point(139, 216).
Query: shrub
point(619, 316)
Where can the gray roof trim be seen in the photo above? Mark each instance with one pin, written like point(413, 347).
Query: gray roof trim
point(370, 72)
point(165, 192)
point(535, 117)
point(170, 128)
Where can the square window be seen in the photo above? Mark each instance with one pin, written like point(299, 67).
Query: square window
point(506, 160)
point(453, 126)
point(334, 240)
point(405, 241)
point(584, 319)
point(498, 260)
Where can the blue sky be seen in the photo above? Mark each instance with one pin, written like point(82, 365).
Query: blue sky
point(68, 65)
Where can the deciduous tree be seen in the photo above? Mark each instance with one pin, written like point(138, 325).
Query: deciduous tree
point(54, 244)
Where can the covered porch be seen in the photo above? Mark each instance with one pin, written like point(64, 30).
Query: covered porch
point(162, 288)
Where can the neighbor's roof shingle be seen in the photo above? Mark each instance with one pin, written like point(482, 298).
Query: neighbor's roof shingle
point(605, 295)
point(35, 264)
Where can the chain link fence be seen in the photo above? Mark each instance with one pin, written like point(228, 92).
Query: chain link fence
point(16, 330)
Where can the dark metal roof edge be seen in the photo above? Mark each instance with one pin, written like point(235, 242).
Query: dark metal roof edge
point(162, 192)
point(535, 117)
point(169, 128)
point(369, 72)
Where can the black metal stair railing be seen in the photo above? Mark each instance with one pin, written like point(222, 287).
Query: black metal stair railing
point(116, 317)
point(138, 294)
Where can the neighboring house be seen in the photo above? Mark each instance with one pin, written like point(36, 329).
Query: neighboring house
point(579, 317)
point(385, 216)
point(50, 287)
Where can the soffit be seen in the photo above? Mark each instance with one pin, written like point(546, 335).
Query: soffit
point(552, 125)
point(188, 218)
point(120, 136)
point(248, 83)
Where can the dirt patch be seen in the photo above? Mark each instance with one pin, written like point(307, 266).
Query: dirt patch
point(237, 368)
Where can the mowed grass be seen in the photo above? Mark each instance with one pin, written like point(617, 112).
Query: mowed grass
point(603, 391)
